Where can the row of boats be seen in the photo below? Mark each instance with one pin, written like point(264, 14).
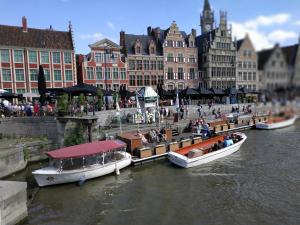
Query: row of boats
point(87, 161)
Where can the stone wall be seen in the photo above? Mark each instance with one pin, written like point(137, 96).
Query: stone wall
point(13, 202)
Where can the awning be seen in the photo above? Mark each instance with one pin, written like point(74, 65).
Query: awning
point(88, 149)
point(30, 95)
point(81, 89)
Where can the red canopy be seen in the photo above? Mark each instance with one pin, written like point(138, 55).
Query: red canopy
point(93, 148)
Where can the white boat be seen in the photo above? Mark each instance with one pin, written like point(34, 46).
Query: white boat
point(276, 123)
point(181, 158)
point(82, 162)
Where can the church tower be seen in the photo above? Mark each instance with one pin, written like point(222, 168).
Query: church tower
point(207, 18)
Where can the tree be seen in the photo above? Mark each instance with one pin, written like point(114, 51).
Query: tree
point(99, 99)
point(42, 85)
point(62, 104)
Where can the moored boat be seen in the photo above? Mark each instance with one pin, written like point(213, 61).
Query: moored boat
point(206, 151)
point(276, 123)
point(82, 162)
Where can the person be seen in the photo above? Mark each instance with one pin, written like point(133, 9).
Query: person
point(36, 109)
point(215, 147)
point(220, 144)
point(144, 140)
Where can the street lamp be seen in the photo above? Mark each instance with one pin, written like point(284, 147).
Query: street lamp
point(106, 52)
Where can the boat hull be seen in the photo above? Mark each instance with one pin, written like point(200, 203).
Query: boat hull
point(272, 126)
point(185, 162)
point(50, 176)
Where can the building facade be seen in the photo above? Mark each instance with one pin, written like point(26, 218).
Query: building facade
point(216, 51)
point(23, 50)
point(273, 69)
point(180, 58)
point(103, 66)
point(247, 75)
point(167, 57)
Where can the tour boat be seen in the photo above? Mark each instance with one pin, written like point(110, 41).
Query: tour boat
point(82, 162)
point(201, 153)
point(276, 122)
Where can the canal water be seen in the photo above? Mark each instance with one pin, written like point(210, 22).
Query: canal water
point(260, 184)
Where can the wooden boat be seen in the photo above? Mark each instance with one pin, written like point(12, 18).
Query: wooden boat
point(81, 162)
point(201, 153)
point(276, 123)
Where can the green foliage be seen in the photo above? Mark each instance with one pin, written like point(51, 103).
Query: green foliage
point(76, 137)
point(62, 104)
point(115, 96)
point(81, 99)
point(100, 98)
point(26, 152)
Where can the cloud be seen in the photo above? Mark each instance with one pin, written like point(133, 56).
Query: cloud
point(111, 25)
point(94, 36)
point(281, 35)
point(276, 19)
point(261, 37)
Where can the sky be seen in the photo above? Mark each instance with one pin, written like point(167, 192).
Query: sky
point(267, 21)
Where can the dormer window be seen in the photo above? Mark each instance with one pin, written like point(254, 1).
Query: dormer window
point(152, 51)
point(138, 50)
point(138, 47)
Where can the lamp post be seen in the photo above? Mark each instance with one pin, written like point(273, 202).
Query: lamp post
point(106, 52)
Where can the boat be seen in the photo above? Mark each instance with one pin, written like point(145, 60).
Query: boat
point(82, 162)
point(203, 152)
point(276, 123)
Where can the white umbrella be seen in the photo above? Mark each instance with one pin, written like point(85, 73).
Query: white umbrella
point(177, 101)
point(138, 106)
point(3, 91)
point(30, 95)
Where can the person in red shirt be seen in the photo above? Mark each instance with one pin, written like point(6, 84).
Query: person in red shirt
point(36, 108)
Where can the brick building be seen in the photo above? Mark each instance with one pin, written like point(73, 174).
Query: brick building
point(216, 51)
point(162, 56)
point(23, 49)
point(247, 75)
point(103, 66)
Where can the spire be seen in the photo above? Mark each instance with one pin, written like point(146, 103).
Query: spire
point(206, 5)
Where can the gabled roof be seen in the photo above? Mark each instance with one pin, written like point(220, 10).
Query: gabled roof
point(239, 43)
point(105, 43)
point(290, 54)
point(201, 38)
point(263, 57)
point(35, 38)
point(130, 40)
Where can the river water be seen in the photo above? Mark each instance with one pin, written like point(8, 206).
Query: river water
point(260, 184)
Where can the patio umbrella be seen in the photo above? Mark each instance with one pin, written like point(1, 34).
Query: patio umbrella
point(30, 95)
point(3, 91)
point(81, 89)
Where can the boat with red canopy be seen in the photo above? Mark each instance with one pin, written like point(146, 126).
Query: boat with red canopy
point(82, 162)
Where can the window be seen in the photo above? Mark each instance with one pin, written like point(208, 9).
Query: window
point(90, 73)
point(249, 76)
point(249, 53)
point(139, 65)
point(152, 50)
point(170, 73)
point(123, 74)
point(160, 65)
point(180, 58)
point(107, 73)
point(240, 64)
point(245, 76)
point(99, 73)
point(180, 73)
point(273, 63)
point(245, 65)
point(115, 73)
point(170, 43)
point(100, 86)
point(192, 73)
point(160, 79)
point(56, 57)
point(153, 80)
point(254, 76)
point(179, 44)
point(254, 65)
point(68, 75)
point(35, 90)
point(8, 90)
point(20, 90)
point(44, 57)
point(254, 87)
point(19, 74)
point(170, 57)
point(33, 74)
point(245, 53)
point(281, 64)
point(240, 77)
point(249, 65)
point(138, 50)
point(57, 75)
point(4, 55)
point(97, 57)
point(47, 74)
point(147, 80)
point(18, 56)
point(192, 59)
point(67, 57)
point(131, 64)
point(32, 55)
point(6, 75)
point(132, 80)
point(139, 80)
point(153, 65)
point(146, 64)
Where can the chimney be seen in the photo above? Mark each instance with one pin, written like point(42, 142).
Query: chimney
point(50, 28)
point(149, 29)
point(24, 24)
point(122, 39)
point(194, 33)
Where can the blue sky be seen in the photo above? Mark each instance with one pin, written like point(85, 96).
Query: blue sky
point(267, 21)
